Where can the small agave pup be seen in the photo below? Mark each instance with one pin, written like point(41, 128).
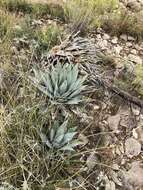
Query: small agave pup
point(61, 84)
point(59, 137)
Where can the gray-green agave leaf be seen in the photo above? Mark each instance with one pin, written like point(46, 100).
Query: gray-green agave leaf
point(61, 84)
point(60, 137)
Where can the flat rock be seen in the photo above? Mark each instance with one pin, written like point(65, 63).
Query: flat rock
point(133, 51)
point(123, 37)
point(129, 44)
point(102, 44)
point(114, 40)
point(130, 38)
point(134, 58)
point(132, 147)
point(113, 122)
point(134, 5)
point(134, 176)
point(135, 110)
point(106, 37)
point(91, 161)
point(118, 49)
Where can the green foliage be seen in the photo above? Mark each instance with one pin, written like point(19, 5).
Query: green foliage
point(122, 22)
point(61, 84)
point(138, 81)
point(16, 5)
point(40, 10)
point(35, 9)
point(24, 29)
point(21, 153)
point(47, 37)
point(6, 23)
point(85, 15)
point(60, 137)
point(54, 10)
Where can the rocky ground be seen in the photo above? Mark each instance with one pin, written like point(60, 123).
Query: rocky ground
point(123, 127)
point(116, 163)
point(115, 122)
point(126, 139)
point(133, 5)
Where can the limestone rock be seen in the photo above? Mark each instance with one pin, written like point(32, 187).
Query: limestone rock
point(130, 38)
point(123, 37)
point(134, 5)
point(132, 147)
point(113, 122)
point(106, 37)
point(134, 58)
point(114, 40)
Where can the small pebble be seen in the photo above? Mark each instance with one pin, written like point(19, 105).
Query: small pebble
point(114, 40)
point(133, 51)
point(130, 38)
point(123, 37)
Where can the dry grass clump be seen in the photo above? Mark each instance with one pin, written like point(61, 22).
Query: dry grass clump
point(48, 9)
point(84, 15)
point(35, 10)
point(28, 160)
point(138, 80)
point(7, 22)
point(16, 6)
point(122, 22)
point(25, 161)
point(47, 37)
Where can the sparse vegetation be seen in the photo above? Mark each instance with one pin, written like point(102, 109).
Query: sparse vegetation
point(16, 6)
point(38, 10)
point(47, 37)
point(6, 25)
point(86, 15)
point(122, 22)
point(138, 81)
point(50, 139)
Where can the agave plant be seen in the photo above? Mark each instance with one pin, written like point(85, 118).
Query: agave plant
point(60, 137)
point(61, 84)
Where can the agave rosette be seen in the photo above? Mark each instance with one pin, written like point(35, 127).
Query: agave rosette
point(61, 83)
point(60, 137)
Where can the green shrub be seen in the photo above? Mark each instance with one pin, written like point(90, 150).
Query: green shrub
point(138, 81)
point(40, 10)
point(122, 22)
point(24, 29)
point(47, 37)
point(57, 11)
point(6, 25)
point(84, 15)
point(16, 6)
point(35, 9)
point(53, 10)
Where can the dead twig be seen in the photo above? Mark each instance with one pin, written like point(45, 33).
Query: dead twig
point(97, 79)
